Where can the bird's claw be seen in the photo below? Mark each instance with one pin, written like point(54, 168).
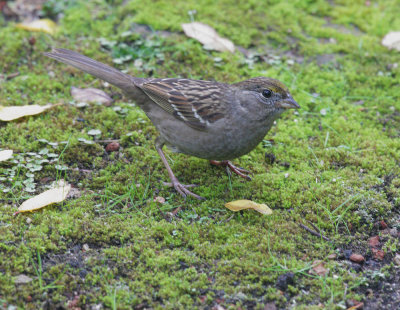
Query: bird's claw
point(231, 167)
point(183, 189)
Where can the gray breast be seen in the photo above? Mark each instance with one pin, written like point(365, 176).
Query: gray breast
point(221, 141)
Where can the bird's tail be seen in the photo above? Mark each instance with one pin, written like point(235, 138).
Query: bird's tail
point(98, 69)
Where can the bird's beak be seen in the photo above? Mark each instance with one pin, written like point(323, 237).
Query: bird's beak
point(288, 103)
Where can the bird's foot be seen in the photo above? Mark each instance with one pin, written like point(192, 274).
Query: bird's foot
point(231, 167)
point(183, 189)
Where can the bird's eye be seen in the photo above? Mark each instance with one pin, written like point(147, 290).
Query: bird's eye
point(266, 93)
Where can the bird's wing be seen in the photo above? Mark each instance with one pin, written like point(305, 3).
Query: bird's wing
point(197, 103)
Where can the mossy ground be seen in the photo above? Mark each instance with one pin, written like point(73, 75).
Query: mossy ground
point(336, 162)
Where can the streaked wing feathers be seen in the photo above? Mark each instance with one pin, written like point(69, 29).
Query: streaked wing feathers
point(197, 103)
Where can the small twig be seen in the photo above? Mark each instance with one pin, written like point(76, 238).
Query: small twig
point(82, 170)
point(227, 220)
point(313, 225)
point(12, 75)
point(176, 211)
point(106, 141)
point(313, 232)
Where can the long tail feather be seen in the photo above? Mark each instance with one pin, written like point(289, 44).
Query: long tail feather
point(98, 69)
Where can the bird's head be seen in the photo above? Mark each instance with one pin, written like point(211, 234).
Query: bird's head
point(264, 97)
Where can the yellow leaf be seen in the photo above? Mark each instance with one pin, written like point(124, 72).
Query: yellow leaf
point(55, 195)
point(6, 154)
point(44, 25)
point(238, 205)
point(14, 112)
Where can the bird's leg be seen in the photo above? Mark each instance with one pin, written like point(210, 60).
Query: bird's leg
point(239, 171)
point(180, 188)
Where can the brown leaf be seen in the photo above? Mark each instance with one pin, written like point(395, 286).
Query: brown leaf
point(90, 95)
point(318, 268)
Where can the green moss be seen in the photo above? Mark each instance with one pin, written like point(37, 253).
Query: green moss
point(336, 160)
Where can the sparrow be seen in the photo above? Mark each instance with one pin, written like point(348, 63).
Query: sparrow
point(207, 119)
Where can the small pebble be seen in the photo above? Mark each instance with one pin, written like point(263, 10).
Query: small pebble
point(85, 247)
point(378, 254)
point(356, 267)
point(331, 256)
point(373, 241)
point(270, 158)
point(396, 259)
point(112, 147)
point(270, 306)
point(385, 231)
point(347, 253)
point(28, 220)
point(32, 41)
point(284, 280)
point(383, 225)
point(357, 258)
point(159, 199)
point(22, 279)
point(394, 233)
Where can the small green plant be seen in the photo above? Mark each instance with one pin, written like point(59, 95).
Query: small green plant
point(39, 273)
point(53, 8)
point(112, 297)
point(133, 196)
point(336, 217)
point(145, 53)
point(284, 267)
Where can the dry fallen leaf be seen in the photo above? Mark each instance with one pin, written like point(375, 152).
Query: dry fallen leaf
point(318, 268)
point(208, 37)
point(57, 194)
point(6, 154)
point(238, 205)
point(44, 25)
point(392, 40)
point(14, 112)
point(90, 95)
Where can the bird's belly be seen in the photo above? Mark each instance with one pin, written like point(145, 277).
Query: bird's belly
point(219, 143)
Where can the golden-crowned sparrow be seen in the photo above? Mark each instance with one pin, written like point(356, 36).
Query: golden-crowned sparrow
point(206, 119)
